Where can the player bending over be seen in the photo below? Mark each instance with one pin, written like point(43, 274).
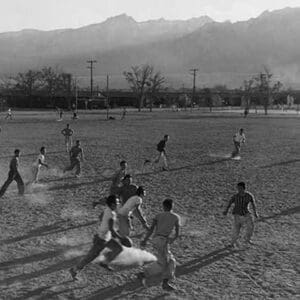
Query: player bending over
point(37, 165)
point(161, 148)
point(241, 213)
point(163, 224)
point(238, 139)
point(68, 133)
point(106, 238)
point(76, 157)
point(117, 178)
point(133, 204)
point(13, 174)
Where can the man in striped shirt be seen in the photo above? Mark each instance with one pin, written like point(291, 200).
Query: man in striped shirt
point(241, 213)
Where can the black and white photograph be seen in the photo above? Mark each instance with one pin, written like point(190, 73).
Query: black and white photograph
point(149, 149)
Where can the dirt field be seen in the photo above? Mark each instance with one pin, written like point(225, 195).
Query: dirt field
point(45, 232)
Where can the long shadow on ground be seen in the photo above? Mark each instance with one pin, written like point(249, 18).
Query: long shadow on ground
point(287, 212)
point(45, 230)
point(282, 163)
point(134, 286)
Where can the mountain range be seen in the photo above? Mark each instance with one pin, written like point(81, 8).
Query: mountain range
point(224, 52)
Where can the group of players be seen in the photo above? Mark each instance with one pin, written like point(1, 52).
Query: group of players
point(125, 202)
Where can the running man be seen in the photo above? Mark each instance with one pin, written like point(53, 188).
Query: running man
point(76, 157)
point(9, 114)
point(162, 152)
point(13, 174)
point(133, 204)
point(61, 112)
point(104, 239)
point(238, 139)
point(117, 178)
point(241, 214)
point(164, 223)
point(37, 165)
point(127, 190)
point(124, 113)
point(68, 133)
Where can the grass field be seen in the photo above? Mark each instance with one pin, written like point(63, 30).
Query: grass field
point(44, 233)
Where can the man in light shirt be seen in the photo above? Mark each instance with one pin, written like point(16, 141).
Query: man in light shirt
point(238, 139)
point(164, 223)
point(9, 114)
point(132, 205)
point(104, 239)
point(40, 161)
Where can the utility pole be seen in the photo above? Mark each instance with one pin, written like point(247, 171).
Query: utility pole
point(194, 73)
point(76, 93)
point(91, 67)
point(107, 96)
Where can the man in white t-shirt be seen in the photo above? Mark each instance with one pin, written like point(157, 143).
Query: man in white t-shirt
point(238, 139)
point(104, 239)
point(40, 161)
point(9, 114)
point(132, 205)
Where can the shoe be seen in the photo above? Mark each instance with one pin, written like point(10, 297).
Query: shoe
point(77, 176)
point(167, 287)
point(164, 169)
point(105, 266)
point(250, 242)
point(141, 277)
point(73, 274)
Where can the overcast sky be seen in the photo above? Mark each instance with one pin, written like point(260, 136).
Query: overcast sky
point(52, 14)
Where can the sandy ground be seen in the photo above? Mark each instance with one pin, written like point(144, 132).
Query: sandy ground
point(45, 232)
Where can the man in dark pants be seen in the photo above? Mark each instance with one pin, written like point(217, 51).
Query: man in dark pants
point(76, 156)
point(107, 237)
point(13, 174)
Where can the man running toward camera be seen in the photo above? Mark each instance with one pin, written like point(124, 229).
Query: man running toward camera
point(76, 157)
point(106, 238)
point(163, 224)
point(68, 133)
point(13, 174)
point(241, 213)
point(238, 139)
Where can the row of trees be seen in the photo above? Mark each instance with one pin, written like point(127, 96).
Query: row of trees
point(51, 82)
point(261, 89)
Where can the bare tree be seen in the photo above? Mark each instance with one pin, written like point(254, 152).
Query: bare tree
point(55, 81)
point(28, 83)
point(156, 84)
point(139, 81)
point(267, 89)
point(248, 89)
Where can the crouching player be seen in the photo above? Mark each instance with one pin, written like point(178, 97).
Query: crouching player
point(107, 237)
point(163, 223)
